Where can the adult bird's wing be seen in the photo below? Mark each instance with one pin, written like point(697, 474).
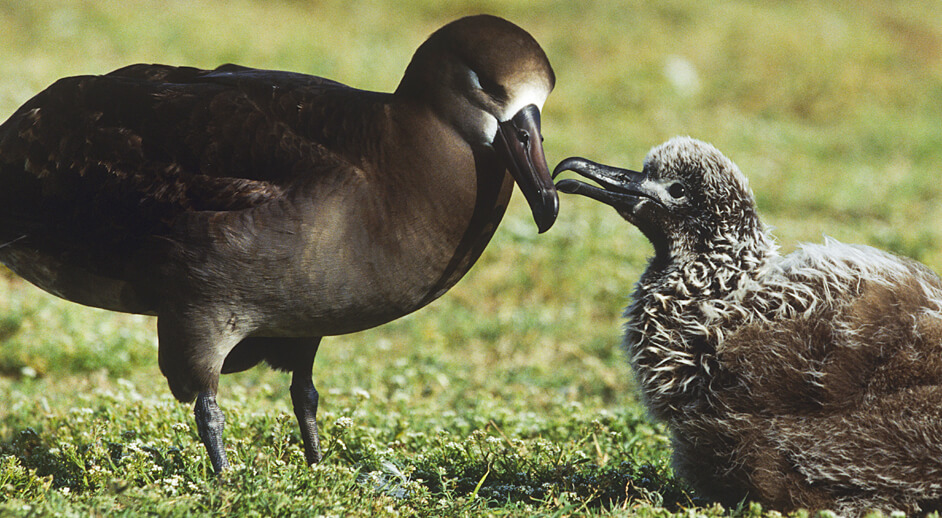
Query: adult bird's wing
point(140, 145)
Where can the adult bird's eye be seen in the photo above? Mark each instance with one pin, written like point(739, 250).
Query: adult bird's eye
point(677, 190)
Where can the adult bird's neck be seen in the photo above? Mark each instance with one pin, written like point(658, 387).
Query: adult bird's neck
point(458, 191)
point(419, 210)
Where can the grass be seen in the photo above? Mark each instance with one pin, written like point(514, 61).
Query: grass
point(510, 395)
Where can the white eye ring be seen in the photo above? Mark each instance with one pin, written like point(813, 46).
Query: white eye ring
point(475, 81)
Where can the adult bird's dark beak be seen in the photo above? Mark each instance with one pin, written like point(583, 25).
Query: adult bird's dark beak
point(520, 144)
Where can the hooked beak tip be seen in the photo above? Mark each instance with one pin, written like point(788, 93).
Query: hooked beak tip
point(573, 163)
point(559, 169)
point(549, 211)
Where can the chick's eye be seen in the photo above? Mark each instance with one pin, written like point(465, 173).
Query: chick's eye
point(677, 190)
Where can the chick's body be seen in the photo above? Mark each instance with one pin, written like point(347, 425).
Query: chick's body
point(808, 380)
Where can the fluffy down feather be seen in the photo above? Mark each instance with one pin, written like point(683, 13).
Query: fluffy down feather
point(809, 380)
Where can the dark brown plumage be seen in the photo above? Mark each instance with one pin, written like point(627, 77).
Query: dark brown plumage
point(256, 211)
point(811, 380)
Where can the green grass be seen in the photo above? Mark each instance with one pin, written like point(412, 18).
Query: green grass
point(510, 395)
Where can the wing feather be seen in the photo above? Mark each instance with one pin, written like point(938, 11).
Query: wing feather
point(145, 143)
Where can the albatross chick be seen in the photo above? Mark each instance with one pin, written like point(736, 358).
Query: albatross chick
point(810, 380)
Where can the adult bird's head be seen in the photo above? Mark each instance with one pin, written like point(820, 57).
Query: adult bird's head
point(687, 199)
point(488, 79)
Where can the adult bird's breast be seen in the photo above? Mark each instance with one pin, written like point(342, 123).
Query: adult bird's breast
point(346, 252)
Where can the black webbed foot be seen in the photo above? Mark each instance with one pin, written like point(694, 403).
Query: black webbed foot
point(210, 423)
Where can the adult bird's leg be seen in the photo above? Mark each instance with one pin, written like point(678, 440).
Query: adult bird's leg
point(191, 357)
point(210, 422)
point(304, 398)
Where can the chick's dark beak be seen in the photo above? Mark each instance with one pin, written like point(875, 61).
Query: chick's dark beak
point(520, 145)
point(620, 187)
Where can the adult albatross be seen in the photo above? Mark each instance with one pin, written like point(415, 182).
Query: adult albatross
point(256, 211)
